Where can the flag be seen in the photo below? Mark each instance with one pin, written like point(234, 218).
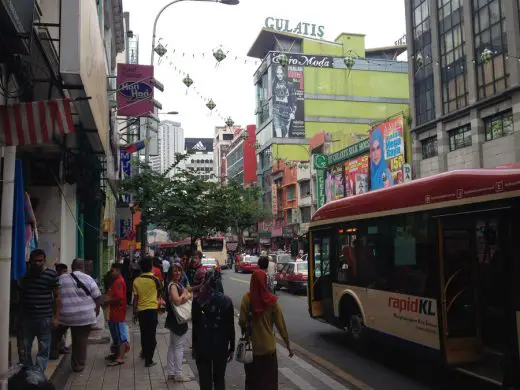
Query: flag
point(136, 146)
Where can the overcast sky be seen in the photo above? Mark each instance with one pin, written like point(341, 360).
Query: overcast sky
point(195, 27)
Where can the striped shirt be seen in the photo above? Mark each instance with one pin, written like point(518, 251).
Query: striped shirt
point(77, 308)
point(38, 293)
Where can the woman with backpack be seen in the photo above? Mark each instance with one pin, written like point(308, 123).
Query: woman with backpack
point(259, 312)
point(176, 295)
point(214, 328)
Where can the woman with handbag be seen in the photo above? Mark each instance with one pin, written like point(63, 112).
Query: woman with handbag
point(259, 312)
point(214, 327)
point(176, 296)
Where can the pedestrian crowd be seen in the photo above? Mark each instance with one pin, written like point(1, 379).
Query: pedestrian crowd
point(54, 301)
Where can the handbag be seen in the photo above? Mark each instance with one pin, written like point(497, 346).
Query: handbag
point(245, 348)
point(183, 312)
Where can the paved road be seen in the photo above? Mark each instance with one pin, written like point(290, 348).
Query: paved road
point(381, 368)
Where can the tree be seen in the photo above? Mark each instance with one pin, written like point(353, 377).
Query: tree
point(187, 206)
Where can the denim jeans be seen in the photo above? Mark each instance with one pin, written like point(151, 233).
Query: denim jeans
point(41, 329)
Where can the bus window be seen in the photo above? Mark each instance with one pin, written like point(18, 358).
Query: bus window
point(346, 268)
point(210, 245)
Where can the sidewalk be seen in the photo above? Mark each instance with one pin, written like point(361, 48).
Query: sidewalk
point(294, 373)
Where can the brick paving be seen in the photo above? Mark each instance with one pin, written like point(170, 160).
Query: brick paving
point(293, 373)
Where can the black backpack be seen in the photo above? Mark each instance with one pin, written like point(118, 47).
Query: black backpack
point(214, 335)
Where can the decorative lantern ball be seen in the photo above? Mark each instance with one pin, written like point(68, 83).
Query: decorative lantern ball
point(419, 60)
point(256, 145)
point(219, 55)
point(244, 135)
point(187, 80)
point(284, 60)
point(211, 104)
point(160, 50)
point(229, 122)
point(486, 56)
point(349, 61)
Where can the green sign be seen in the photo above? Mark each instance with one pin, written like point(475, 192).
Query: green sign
point(349, 152)
point(320, 161)
point(320, 187)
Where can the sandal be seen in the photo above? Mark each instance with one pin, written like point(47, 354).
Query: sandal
point(115, 363)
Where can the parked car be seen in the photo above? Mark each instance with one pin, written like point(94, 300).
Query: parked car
point(208, 263)
point(293, 276)
point(281, 259)
point(247, 263)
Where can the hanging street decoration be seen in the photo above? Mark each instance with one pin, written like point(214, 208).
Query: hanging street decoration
point(283, 60)
point(229, 122)
point(486, 55)
point(187, 82)
point(219, 56)
point(160, 49)
point(349, 61)
point(211, 104)
point(419, 60)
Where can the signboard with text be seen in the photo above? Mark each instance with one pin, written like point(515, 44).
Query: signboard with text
point(134, 89)
point(300, 28)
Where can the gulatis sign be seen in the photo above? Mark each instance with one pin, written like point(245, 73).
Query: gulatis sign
point(300, 28)
point(304, 60)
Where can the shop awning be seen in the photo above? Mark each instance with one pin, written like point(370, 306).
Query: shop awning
point(34, 122)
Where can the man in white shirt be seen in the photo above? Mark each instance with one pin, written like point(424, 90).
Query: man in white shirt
point(165, 268)
point(80, 303)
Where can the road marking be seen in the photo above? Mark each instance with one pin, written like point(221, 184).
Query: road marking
point(297, 380)
point(333, 384)
point(327, 365)
point(240, 280)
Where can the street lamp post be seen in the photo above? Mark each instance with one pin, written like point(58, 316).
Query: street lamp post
point(152, 56)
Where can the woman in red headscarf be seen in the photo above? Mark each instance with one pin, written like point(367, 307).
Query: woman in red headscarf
point(259, 312)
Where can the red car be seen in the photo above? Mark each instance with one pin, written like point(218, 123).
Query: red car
point(293, 276)
point(247, 263)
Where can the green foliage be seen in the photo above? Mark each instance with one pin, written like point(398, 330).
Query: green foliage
point(185, 205)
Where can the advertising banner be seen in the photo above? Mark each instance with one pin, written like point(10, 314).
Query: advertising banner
point(334, 183)
point(125, 158)
point(387, 154)
point(356, 175)
point(288, 101)
point(134, 89)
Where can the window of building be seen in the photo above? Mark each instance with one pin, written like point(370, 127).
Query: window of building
point(429, 147)
point(305, 188)
point(423, 82)
point(291, 193)
point(227, 137)
point(460, 138)
point(305, 213)
point(490, 33)
point(500, 125)
point(452, 52)
point(263, 94)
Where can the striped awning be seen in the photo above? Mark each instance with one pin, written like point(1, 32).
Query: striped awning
point(34, 122)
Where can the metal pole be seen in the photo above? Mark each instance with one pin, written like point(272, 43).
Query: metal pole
point(5, 257)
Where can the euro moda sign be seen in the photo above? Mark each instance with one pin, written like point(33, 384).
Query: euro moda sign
point(134, 89)
point(305, 60)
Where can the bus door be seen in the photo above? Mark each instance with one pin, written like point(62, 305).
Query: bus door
point(462, 334)
point(320, 282)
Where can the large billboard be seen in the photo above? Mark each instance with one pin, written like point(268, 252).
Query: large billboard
point(387, 153)
point(134, 89)
point(334, 183)
point(288, 101)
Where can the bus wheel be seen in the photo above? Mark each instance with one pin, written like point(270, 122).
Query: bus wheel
point(356, 328)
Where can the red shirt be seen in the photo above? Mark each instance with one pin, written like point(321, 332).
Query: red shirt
point(157, 272)
point(118, 307)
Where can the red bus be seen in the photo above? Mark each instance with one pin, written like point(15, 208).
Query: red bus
point(431, 265)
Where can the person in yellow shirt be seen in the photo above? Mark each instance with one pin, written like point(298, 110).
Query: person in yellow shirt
point(259, 311)
point(146, 289)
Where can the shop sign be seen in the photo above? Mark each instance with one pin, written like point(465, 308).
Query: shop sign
point(300, 28)
point(407, 173)
point(301, 60)
point(274, 199)
point(349, 152)
point(319, 161)
point(264, 234)
point(320, 187)
point(287, 232)
point(134, 89)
